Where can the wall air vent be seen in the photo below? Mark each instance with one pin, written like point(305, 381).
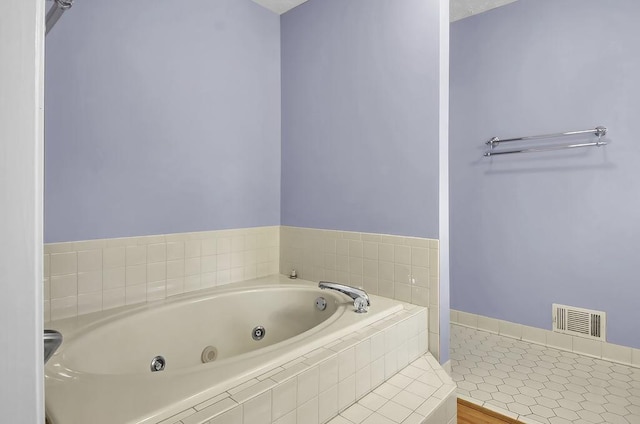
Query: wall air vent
point(579, 322)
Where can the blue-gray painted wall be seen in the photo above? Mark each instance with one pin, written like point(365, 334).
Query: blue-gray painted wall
point(161, 118)
point(360, 116)
point(561, 227)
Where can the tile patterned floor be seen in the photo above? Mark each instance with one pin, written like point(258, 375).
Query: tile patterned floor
point(537, 384)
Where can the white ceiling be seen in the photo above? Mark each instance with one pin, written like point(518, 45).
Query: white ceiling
point(459, 9)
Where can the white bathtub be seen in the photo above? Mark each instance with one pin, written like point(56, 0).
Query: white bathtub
point(101, 373)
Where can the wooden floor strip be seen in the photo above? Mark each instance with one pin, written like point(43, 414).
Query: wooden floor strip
point(469, 413)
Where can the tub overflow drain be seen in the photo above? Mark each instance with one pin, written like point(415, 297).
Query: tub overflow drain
point(321, 303)
point(209, 354)
point(258, 333)
point(157, 364)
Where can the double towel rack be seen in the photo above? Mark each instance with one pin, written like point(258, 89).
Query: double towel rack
point(495, 142)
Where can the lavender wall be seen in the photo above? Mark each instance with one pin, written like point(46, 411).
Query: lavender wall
point(531, 230)
point(162, 118)
point(360, 116)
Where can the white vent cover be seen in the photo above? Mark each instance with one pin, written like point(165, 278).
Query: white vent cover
point(579, 322)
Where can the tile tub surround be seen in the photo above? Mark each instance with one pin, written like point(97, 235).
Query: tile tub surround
point(397, 267)
point(421, 393)
point(89, 276)
point(327, 381)
point(597, 349)
point(537, 384)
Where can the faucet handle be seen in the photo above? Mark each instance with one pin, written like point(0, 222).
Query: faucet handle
point(361, 304)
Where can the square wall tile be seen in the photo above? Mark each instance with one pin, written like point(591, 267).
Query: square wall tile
point(65, 307)
point(175, 251)
point(258, 410)
point(346, 392)
point(346, 363)
point(193, 249)
point(370, 250)
point(402, 292)
point(209, 247)
point(175, 286)
point(114, 257)
point(113, 278)
point(328, 373)
point(175, 269)
point(192, 266)
point(136, 294)
point(88, 303)
point(156, 253)
point(420, 257)
point(290, 418)
point(308, 412)
point(156, 271)
point(328, 404)
point(308, 384)
point(136, 275)
point(420, 296)
point(156, 290)
point(363, 354)
point(378, 345)
point(90, 260)
point(113, 298)
point(136, 255)
point(377, 372)
point(192, 283)
point(402, 255)
point(363, 381)
point(223, 245)
point(402, 273)
point(64, 286)
point(64, 263)
point(386, 252)
point(355, 248)
point(89, 282)
point(284, 398)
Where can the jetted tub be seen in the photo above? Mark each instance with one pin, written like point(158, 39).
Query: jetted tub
point(102, 372)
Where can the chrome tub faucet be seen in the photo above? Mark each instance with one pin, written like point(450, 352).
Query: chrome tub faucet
point(360, 297)
point(52, 341)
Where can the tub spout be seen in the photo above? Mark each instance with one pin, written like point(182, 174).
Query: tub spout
point(360, 297)
point(52, 341)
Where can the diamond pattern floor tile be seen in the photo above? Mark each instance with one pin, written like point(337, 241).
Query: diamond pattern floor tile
point(541, 384)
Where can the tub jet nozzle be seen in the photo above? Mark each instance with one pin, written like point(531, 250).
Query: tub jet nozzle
point(258, 333)
point(209, 354)
point(158, 363)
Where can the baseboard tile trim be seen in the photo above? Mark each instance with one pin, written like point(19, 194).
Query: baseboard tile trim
point(623, 355)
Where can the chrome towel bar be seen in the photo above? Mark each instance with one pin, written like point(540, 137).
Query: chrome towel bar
point(495, 141)
point(545, 149)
